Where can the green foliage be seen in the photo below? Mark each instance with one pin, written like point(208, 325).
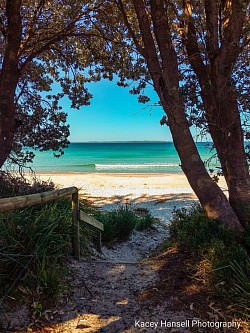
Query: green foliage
point(50, 280)
point(34, 242)
point(240, 289)
point(12, 184)
point(52, 50)
point(64, 45)
point(227, 254)
point(145, 222)
point(193, 230)
point(111, 232)
point(119, 224)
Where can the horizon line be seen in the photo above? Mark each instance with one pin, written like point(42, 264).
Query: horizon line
point(132, 141)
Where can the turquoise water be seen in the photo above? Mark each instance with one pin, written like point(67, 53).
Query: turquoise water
point(115, 157)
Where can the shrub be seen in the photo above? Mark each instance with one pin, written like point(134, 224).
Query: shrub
point(14, 184)
point(194, 231)
point(208, 240)
point(34, 243)
point(50, 280)
point(109, 233)
point(145, 222)
point(118, 224)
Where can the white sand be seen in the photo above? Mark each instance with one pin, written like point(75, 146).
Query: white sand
point(159, 193)
point(107, 185)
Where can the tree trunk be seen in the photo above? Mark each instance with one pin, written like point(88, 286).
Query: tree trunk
point(9, 79)
point(220, 99)
point(225, 128)
point(211, 197)
point(234, 157)
point(165, 76)
point(7, 128)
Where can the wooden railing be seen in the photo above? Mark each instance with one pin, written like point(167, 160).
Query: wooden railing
point(7, 204)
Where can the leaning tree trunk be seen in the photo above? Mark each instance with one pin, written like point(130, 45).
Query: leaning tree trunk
point(165, 76)
point(9, 79)
point(211, 197)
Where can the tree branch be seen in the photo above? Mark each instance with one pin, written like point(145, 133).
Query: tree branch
point(231, 47)
point(29, 33)
point(150, 51)
point(61, 36)
point(164, 42)
point(211, 9)
point(128, 25)
point(192, 46)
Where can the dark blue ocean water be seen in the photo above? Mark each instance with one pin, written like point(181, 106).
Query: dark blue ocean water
point(115, 157)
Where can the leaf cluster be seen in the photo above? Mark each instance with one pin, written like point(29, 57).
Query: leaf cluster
point(52, 58)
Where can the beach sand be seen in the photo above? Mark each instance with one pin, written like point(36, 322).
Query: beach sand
point(159, 193)
point(107, 184)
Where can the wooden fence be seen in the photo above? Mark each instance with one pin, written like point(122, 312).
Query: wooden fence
point(7, 204)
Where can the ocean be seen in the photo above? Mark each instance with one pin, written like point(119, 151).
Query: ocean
point(116, 157)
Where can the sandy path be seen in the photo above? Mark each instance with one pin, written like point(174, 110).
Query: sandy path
point(104, 294)
point(113, 305)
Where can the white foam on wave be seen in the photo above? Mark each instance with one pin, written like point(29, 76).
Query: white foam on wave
point(135, 166)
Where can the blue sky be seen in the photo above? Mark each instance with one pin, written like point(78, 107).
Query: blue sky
point(115, 115)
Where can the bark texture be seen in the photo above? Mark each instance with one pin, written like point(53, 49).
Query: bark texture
point(9, 78)
point(165, 76)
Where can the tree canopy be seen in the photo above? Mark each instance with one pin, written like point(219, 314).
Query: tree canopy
point(195, 54)
point(41, 62)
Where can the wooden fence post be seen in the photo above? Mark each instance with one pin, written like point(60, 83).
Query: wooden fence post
point(75, 226)
point(99, 242)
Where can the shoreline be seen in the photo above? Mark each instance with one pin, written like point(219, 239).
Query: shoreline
point(125, 174)
point(133, 185)
point(111, 174)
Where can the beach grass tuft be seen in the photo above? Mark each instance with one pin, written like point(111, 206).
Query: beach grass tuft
point(34, 241)
point(14, 184)
point(120, 223)
point(225, 254)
